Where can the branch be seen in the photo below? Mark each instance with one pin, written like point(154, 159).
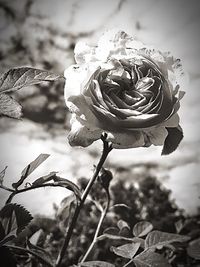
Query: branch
point(103, 215)
point(19, 191)
point(107, 147)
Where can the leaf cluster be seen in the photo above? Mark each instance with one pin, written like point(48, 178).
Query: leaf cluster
point(123, 239)
point(15, 79)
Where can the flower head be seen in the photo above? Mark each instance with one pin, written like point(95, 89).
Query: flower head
point(125, 89)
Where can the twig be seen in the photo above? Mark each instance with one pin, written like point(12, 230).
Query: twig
point(19, 191)
point(7, 188)
point(103, 215)
point(106, 149)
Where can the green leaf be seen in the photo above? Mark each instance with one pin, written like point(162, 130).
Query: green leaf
point(193, 249)
point(14, 218)
point(17, 78)
point(6, 239)
point(34, 164)
point(7, 234)
point(30, 168)
point(150, 259)
point(111, 231)
point(117, 237)
point(44, 179)
point(96, 264)
point(158, 239)
point(175, 135)
point(127, 251)
point(142, 228)
point(10, 227)
point(9, 107)
point(69, 185)
point(2, 174)
point(122, 224)
point(65, 207)
point(42, 253)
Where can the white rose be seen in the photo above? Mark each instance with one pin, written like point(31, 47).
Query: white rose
point(125, 89)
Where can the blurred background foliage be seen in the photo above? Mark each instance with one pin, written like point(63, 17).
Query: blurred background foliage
point(146, 200)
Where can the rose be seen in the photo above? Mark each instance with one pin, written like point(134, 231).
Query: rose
point(125, 89)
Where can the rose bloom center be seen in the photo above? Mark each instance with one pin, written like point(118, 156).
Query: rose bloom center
point(132, 95)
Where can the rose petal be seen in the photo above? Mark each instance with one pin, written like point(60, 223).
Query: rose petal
point(122, 113)
point(77, 77)
point(181, 95)
point(176, 89)
point(81, 135)
point(109, 121)
point(157, 135)
point(172, 122)
point(167, 104)
point(130, 139)
point(79, 106)
point(84, 53)
point(96, 94)
point(160, 60)
point(176, 106)
point(177, 75)
point(112, 43)
point(144, 83)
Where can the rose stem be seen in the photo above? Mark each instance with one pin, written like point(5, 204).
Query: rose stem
point(103, 215)
point(129, 262)
point(106, 149)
